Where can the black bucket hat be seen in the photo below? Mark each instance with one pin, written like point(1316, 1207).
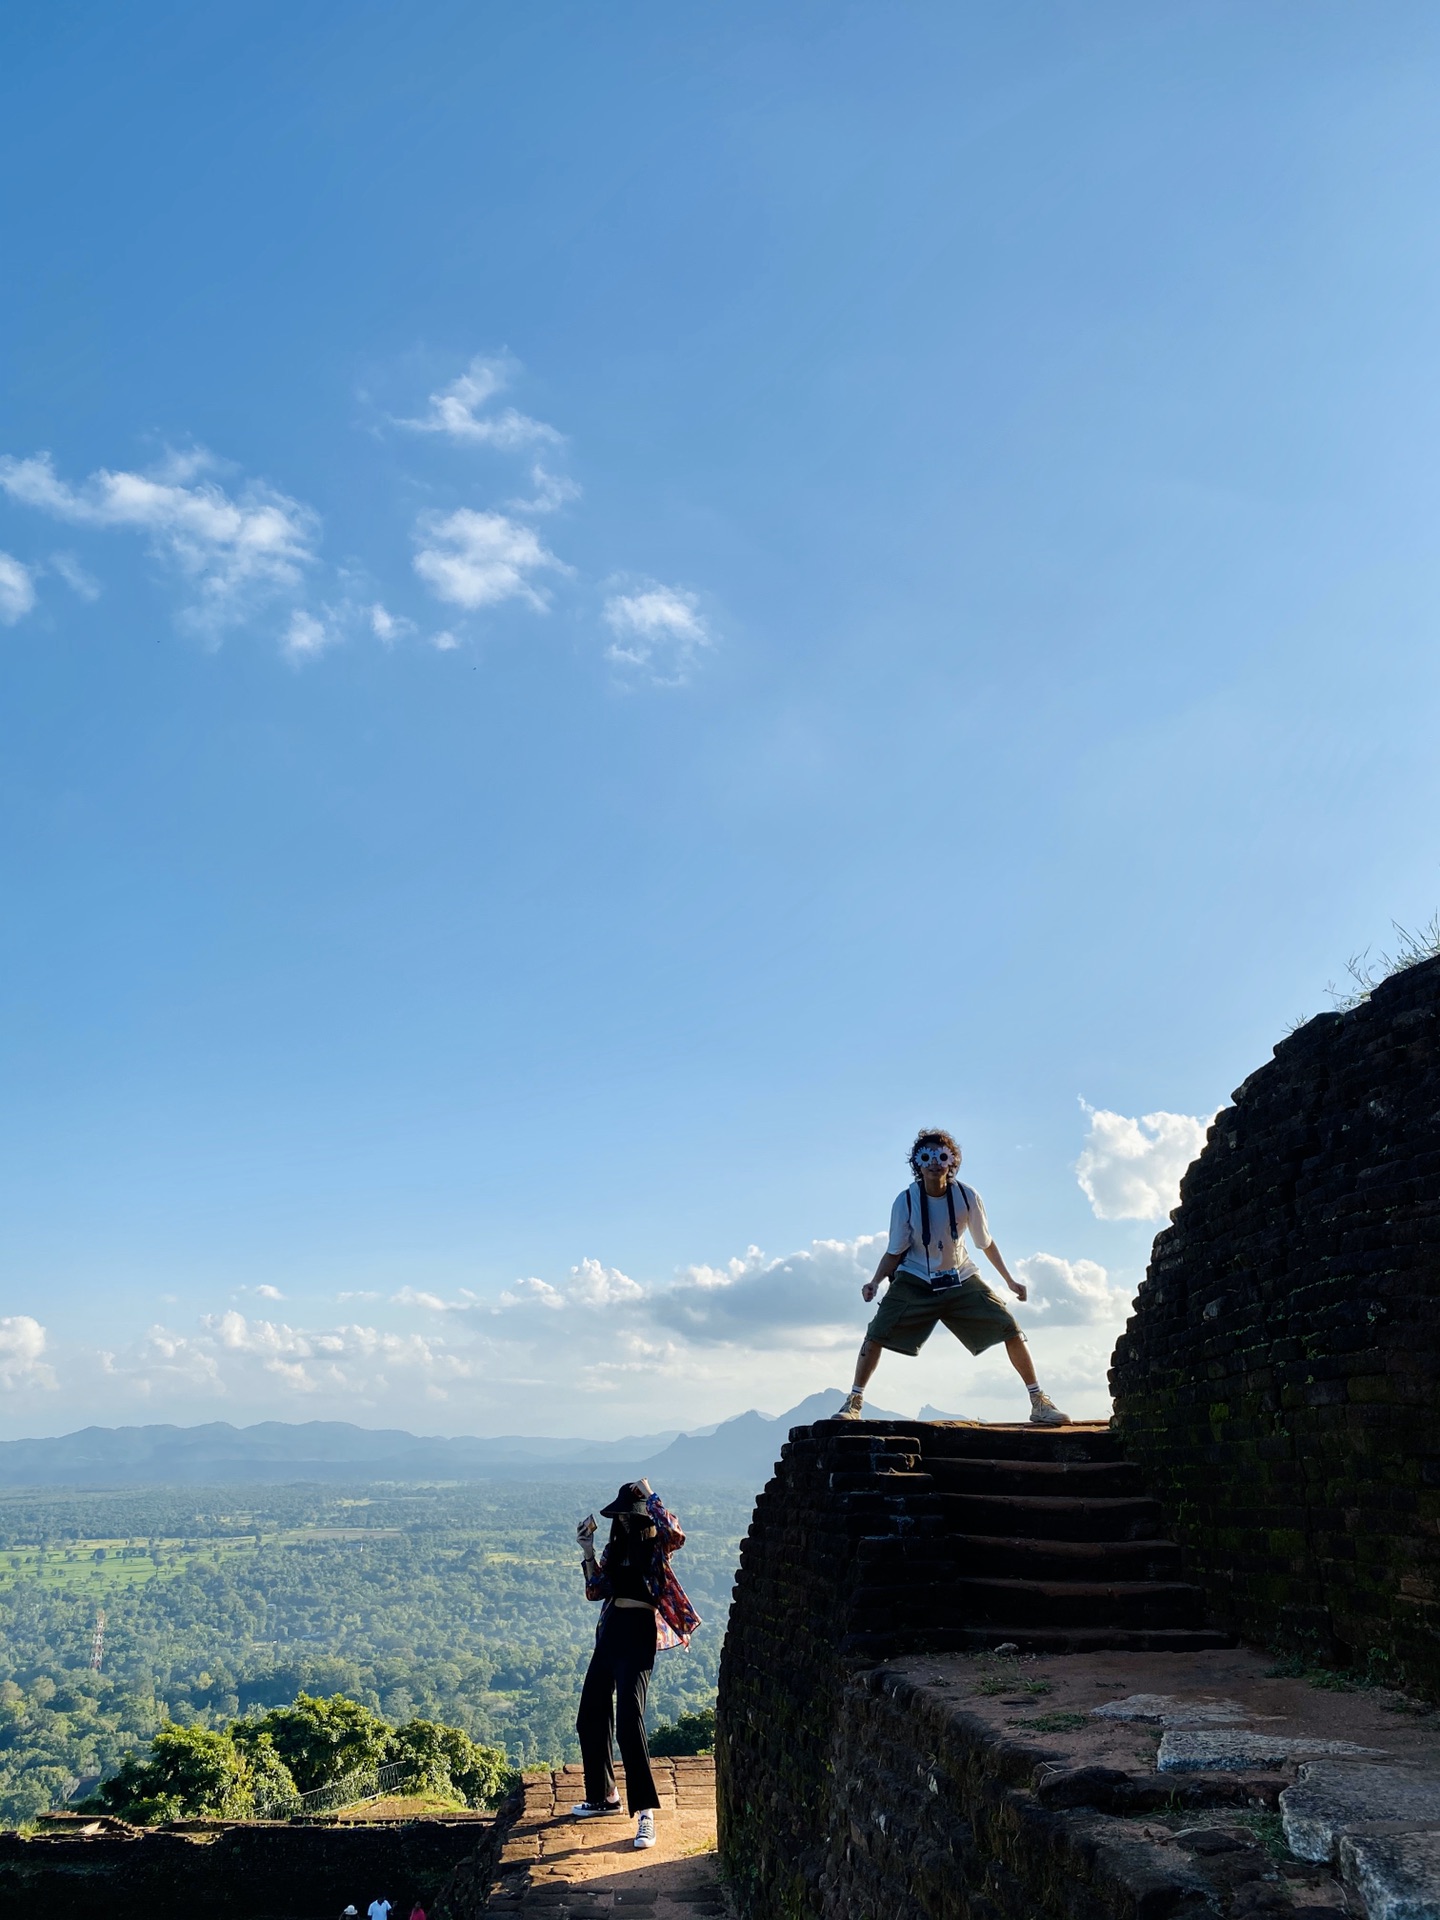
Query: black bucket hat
point(630, 1499)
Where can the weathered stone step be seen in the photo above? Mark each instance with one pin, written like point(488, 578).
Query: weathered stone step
point(883, 1480)
point(942, 1441)
point(1021, 1443)
point(1049, 1517)
point(1040, 1603)
point(1039, 1559)
point(893, 1560)
point(1069, 1478)
point(1078, 1603)
point(877, 1646)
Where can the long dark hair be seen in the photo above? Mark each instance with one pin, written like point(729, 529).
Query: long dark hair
point(628, 1530)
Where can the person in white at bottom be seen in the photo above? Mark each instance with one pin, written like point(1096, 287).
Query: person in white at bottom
point(932, 1278)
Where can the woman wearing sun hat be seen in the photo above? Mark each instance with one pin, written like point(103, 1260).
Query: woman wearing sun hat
point(645, 1610)
point(932, 1278)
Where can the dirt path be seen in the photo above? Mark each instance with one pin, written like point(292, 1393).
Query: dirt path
point(565, 1868)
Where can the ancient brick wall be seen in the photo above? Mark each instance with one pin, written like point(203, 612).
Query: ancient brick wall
point(842, 1795)
point(1279, 1383)
point(252, 1872)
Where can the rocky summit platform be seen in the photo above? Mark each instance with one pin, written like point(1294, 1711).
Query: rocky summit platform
point(563, 1868)
point(1133, 1781)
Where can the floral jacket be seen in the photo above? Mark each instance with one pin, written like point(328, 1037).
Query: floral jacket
point(675, 1618)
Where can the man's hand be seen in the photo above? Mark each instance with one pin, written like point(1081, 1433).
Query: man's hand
point(869, 1290)
point(1020, 1293)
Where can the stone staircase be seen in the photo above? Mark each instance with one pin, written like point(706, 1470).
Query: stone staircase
point(962, 1537)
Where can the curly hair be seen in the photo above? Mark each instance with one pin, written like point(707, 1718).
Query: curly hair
point(933, 1137)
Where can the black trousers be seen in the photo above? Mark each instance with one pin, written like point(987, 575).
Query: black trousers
point(612, 1704)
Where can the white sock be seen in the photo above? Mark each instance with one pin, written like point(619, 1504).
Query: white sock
point(1034, 1391)
point(857, 1393)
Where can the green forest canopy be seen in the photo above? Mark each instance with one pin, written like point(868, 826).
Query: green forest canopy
point(460, 1605)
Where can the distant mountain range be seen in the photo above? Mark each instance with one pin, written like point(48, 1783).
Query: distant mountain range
point(741, 1452)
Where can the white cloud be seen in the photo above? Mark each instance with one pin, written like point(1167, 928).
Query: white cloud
point(591, 1284)
point(474, 560)
point(267, 1292)
point(594, 1285)
point(552, 491)
point(231, 1354)
point(235, 552)
point(658, 632)
point(1070, 1293)
point(22, 1350)
point(533, 1293)
point(17, 590)
point(748, 1299)
point(455, 412)
point(1131, 1169)
point(306, 637)
point(431, 1302)
point(388, 626)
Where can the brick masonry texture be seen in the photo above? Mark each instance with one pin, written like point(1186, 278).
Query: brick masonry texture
point(855, 1781)
point(254, 1872)
point(1279, 1383)
point(884, 1538)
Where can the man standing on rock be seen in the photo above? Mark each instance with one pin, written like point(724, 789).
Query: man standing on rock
point(933, 1278)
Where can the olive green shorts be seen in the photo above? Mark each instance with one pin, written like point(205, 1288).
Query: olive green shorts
point(911, 1309)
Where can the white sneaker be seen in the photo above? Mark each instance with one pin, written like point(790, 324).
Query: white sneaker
point(1045, 1413)
point(587, 1809)
point(645, 1829)
point(850, 1410)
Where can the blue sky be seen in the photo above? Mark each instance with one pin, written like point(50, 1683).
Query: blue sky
point(606, 610)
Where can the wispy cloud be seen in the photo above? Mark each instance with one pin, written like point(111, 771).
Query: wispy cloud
point(307, 636)
point(386, 626)
point(472, 560)
point(432, 1302)
point(17, 590)
point(658, 632)
point(1130, 1169)
point(457, 412)
point(238, 548)
point(81, 583)
point(235, 552)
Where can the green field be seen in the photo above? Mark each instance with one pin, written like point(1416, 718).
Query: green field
point(109, 1565)
point(463, 1604)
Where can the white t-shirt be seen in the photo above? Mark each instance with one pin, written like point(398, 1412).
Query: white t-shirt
point(379, 1910)
point(944, 1254)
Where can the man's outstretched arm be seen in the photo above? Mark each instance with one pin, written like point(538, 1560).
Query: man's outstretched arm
point(993, 1255)
point(887, 1269)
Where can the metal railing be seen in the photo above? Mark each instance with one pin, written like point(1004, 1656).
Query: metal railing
point(365, 1783)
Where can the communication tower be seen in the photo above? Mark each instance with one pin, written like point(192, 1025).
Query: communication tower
point(97, 1645)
